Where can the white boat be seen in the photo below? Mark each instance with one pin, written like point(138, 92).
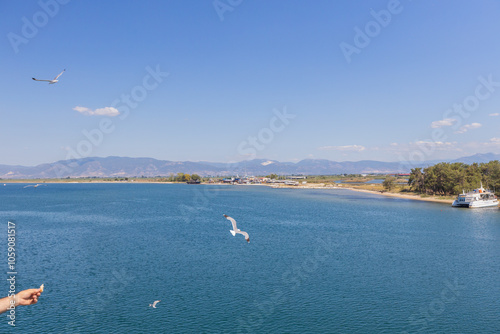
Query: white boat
point(477, 198)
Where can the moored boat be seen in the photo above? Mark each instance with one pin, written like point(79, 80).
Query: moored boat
point(477, 198)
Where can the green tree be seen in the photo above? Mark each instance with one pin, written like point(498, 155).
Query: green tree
point(452, 178)
point(416, 180)
point(181, 177)
point(389, 183)
point(491, 174)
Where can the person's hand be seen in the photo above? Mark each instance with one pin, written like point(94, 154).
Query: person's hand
point(28, 297)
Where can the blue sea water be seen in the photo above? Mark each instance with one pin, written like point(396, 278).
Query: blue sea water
point(318, 261)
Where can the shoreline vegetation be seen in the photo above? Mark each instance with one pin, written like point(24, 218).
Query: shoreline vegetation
point(438, 183)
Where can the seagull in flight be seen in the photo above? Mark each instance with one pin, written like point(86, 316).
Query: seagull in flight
point(154, 303)
point(51, 81)
point(237, 230)
point(35, 185)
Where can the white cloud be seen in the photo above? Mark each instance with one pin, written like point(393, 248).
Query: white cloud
point(443, 122)
point(495, 140)
point(468, 127)
point(436, 144)
point(106, 111)
point(356, 148)
point(495, 114)
point(427, 142)
point(82, 110)
point(394, 144)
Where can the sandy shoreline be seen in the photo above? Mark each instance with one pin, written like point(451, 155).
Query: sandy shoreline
point(388, 194)
point(413, 197)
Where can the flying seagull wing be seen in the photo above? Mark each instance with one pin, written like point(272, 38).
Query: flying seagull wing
point(247, 238)
point(59, 74)
point(233, 222)
point(41, 80)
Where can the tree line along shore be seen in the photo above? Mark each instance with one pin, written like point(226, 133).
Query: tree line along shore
point(443, 181)
point(453, 178)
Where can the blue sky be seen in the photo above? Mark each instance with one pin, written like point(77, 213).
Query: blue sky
point(381, 80)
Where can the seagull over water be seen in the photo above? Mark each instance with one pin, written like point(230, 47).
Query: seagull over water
point(35, 185)
point(154, 303)
point(51, 81)
point(237, 230)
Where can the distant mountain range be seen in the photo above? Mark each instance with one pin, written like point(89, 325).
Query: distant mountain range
point(130, 167)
